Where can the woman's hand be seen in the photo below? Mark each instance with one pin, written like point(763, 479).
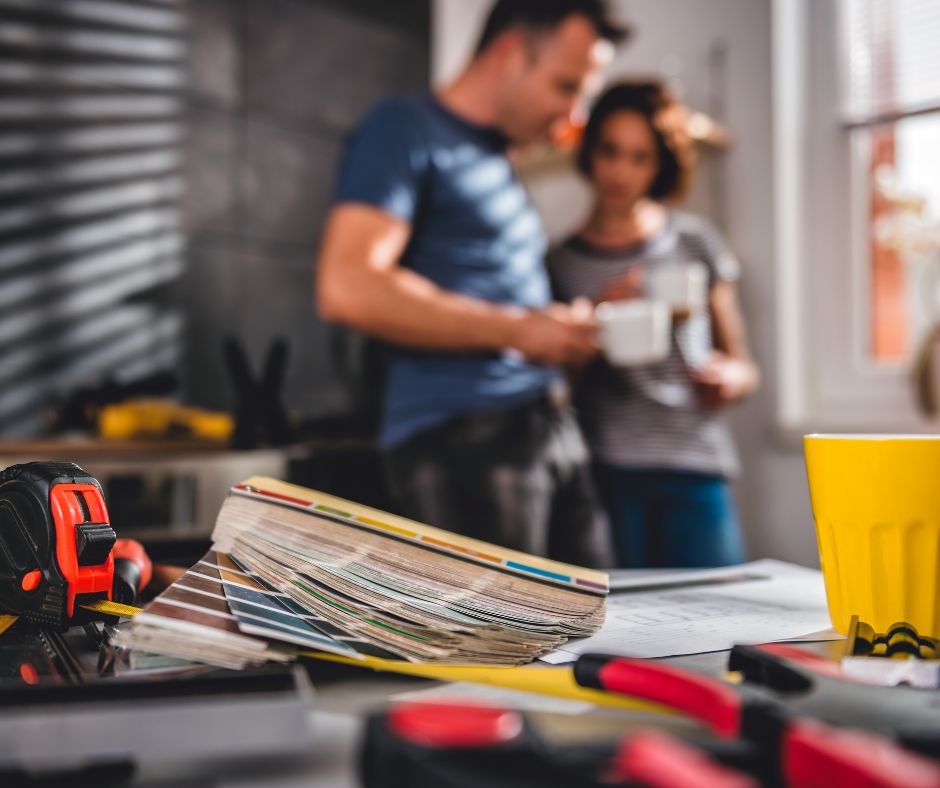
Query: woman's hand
point(722, 380)
point(627, 287)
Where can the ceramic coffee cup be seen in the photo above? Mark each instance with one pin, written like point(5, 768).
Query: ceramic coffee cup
point(682, 285)
point(634, 332)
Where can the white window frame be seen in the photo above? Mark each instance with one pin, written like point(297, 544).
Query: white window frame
point(826, 380)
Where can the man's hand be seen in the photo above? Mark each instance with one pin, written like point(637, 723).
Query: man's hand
point(560, 334)
point(723, 380)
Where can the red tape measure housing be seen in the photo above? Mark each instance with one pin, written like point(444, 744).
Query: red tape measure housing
point(75, 506)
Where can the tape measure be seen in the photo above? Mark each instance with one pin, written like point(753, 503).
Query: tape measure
point(59, 557)
point(113, 609)
point(104, 606)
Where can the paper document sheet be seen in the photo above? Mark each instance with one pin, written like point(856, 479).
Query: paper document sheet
point(670, 613)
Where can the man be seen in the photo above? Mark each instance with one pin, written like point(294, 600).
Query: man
point(434, 248)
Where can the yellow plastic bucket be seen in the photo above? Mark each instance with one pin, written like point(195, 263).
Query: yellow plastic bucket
point(876, 503)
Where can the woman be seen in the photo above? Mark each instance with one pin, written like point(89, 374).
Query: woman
point(663, 452)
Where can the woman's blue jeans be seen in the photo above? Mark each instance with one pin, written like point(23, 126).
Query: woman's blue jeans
point(670, 518)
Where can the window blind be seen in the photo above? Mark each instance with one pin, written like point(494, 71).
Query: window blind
point(91, 134)
point(892, 60)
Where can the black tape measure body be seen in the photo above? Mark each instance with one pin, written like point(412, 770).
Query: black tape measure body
point(55, 543)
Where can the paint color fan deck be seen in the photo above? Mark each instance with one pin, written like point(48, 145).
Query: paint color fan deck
point(295, 570)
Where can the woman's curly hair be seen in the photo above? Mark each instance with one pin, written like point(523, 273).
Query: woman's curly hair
point(667, 119)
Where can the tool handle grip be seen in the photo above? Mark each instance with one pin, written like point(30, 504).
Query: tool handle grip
point(709, 700)
point(656, 760)
point(814, 754)
point(132, 570)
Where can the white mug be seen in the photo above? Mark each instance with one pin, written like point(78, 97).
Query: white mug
point(682, 285)
point(634, 332)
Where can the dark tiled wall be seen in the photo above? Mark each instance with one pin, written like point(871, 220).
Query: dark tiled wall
point(275, 86)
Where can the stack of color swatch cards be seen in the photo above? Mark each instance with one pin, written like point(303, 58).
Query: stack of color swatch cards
point(293, 570)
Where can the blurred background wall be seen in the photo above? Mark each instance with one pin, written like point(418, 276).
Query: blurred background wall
point(275, 86)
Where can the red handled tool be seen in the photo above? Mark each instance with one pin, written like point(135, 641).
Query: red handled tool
point(779, 728)
point(785, 711)
point(460, 745)
point(132, 570)
point(58, 552)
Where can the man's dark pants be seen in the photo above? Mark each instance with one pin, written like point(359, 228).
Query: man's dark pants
point(519, 478)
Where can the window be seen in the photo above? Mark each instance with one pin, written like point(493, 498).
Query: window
point(892, 89)
point(857, 101)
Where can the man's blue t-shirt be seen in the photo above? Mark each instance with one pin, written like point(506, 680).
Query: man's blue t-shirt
point(474, 231)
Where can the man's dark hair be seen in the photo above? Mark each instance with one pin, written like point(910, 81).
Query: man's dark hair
point(540, 16)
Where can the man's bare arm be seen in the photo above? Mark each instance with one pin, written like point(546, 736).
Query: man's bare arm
point(360, 283)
